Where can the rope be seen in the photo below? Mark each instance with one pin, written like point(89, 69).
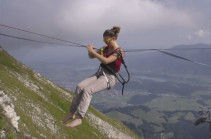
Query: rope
point(179, 57)
point(81, 45)
point(177, 49)
point(10, 27)
point(73, 44)
point(77, 45)
point(26, 39)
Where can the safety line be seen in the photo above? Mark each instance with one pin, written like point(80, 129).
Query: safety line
point(164, 52)
point(10, 27)
point(80, 45)
point(76, 45)
point(179, 57)
point(26, 39)
point(170, 49)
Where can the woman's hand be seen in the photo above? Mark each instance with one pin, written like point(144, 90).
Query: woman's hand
point(90, 48)
point(104, 60)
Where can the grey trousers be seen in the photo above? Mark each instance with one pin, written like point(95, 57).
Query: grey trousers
point(89, 86)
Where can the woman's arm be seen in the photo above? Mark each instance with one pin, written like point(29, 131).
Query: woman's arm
point(102, 59)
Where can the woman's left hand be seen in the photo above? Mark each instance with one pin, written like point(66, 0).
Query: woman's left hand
point(90, 48)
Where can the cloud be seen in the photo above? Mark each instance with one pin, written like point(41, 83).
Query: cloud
point(135, 15)
point(159, 21)
point(91, 17)
point(189, 37)
point(202, 33)
point(197, 36)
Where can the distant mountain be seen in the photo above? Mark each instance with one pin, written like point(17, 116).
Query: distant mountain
point(155, 124)
point(31, 106)
point(157, 62)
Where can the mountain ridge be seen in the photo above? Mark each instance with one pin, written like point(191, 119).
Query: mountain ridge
point(39, 105)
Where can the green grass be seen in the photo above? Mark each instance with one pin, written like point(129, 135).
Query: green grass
point(124, 117)
point(28, 103)
point(175, 118)
point(151, 116)
point(111, 101)
point(190, 117)
point(174, 103)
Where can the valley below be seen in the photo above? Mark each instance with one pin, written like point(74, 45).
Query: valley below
point(161, 100)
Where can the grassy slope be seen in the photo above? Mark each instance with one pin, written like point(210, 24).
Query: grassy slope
point(42, 104)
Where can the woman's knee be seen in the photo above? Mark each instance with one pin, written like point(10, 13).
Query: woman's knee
point(84, 90)
point(87, 91)
point(79, 89)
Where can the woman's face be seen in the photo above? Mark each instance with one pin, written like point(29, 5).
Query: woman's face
point(107, 40)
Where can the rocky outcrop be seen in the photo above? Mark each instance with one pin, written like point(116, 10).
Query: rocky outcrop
point(9, 110)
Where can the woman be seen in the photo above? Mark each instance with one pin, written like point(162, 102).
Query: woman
point(100, 81)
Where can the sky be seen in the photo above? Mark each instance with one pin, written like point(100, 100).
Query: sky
point(144, 23)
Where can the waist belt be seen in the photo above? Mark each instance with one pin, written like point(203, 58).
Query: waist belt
point(116, 74)
point(106, 78)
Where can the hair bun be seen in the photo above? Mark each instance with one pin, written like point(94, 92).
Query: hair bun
point(116, 29)
point(112, 32)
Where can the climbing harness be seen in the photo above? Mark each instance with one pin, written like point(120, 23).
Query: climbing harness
point(115, 73)
point(108, 83)
point(101, 72)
